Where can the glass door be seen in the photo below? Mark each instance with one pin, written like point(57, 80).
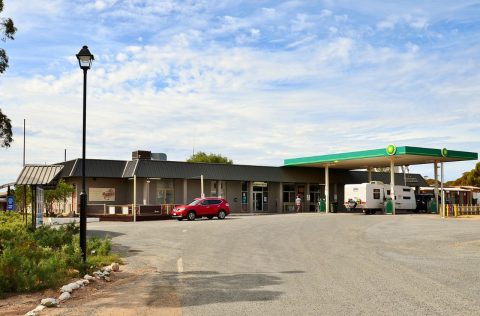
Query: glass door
point(258, 199)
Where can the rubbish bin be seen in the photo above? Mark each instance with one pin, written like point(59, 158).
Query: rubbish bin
point(322, 206)
point(433, 207)
point(334, 207)
point(389, 206)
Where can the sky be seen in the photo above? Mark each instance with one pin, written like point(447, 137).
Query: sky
point(257, 81)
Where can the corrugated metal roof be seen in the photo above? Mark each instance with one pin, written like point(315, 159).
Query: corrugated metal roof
point(129, 168)
point(95, 168)
point(38, 174)
point(187, 170)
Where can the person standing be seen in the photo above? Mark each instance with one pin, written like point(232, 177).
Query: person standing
point(298, 203)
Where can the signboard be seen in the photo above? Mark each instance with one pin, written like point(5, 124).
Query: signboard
point(10, 203)
point(101, 194)
point(40, 206)
point(260, 184)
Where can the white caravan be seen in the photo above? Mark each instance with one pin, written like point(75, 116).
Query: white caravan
point(371, 197)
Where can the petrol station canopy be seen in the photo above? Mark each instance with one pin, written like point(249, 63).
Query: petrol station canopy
point(377, 158)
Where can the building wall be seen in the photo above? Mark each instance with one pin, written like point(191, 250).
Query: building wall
point(273, 197)
point(234, 195)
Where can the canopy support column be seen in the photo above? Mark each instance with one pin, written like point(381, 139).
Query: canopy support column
point(369, 169)
point(442, 190)
point(327, 189)
point(435, 190)
point(134, 208)
point(392, 184)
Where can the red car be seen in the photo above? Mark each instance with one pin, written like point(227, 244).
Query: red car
point(206, 207)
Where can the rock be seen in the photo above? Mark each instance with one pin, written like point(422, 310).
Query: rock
point(49, 302)
point(89, 277)
point(66, 288)
point(86, 282)
point(115, 267)
point(64, 296)
point(106, 273)
point(107, 269)
point(80, 283)
point(74, 285)
point(35, 311)
point(107, 279)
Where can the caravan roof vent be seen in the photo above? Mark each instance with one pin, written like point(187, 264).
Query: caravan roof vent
point(376, 182)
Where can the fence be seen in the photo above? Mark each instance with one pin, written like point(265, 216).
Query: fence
point(453, 210)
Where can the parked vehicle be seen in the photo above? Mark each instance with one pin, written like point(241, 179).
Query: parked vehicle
point(207, 207)
point(423, 202)
point(371, 197)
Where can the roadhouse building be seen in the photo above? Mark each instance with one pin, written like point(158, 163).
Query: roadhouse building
point(152, 185)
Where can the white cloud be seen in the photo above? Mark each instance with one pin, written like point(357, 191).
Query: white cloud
point(278, 82)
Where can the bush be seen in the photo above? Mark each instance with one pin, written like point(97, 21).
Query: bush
point(45, 258)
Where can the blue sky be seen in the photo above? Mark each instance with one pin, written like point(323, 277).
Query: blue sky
point(258, 81)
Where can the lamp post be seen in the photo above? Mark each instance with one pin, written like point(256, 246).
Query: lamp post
point(85, 59)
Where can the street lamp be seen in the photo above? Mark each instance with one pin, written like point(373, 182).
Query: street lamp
point(85, 59)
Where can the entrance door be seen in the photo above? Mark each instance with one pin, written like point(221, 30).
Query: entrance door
point(258, 199)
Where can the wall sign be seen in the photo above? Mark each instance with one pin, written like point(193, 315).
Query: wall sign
point(101, 194)
point(260, 184)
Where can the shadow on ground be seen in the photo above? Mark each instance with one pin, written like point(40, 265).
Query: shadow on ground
point(103, 233)
point(210, 287)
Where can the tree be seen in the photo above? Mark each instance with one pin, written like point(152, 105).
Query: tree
point(209, 158)
point(7, 30)
point(57, 195)
point(471, 177)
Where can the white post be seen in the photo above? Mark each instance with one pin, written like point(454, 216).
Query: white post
point(201, 187)
point(327, 188)
point(435, 190)
point(442, 190)
point(392, 184)
point(185, 191)
point(369, 169)
point(134, 198)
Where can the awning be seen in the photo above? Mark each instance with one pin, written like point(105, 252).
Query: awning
point(403, 156)
point(38, 174)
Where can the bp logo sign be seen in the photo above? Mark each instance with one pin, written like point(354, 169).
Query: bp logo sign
point(444, 152)
point(391, 150)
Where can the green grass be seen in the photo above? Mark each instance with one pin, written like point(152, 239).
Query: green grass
point(47, 257)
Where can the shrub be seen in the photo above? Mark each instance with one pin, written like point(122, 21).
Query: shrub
point(46, 257)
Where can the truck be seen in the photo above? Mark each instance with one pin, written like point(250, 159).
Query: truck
point(371, 197)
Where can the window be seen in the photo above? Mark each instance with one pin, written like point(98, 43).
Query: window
point(406, 190)
point(406, 198)
point(288, 193)
point(376, 194)
point(213, 202)
point(164, 191)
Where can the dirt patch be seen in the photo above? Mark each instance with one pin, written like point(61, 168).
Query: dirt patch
point(98, 298)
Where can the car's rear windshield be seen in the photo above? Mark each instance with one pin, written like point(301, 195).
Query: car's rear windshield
point(195, 202)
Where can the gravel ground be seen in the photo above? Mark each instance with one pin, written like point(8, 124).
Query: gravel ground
point(295, 264)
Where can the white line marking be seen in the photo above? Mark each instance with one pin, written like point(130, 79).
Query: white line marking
point(184, 231)
point(180, 265)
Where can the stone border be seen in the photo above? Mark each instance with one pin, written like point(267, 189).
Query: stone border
point(66, 290)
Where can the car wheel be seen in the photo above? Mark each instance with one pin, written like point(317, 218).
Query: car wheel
point(367, 212)
point(209, 216)
point(179, 218)
point(373, 212)
point(222, 214)
point(191, 216)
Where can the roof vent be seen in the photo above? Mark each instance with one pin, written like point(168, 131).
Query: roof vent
point(141, 154)
point(159, 156)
